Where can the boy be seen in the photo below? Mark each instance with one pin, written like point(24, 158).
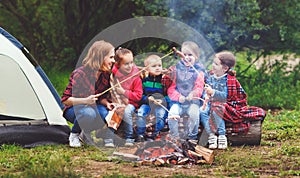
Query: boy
point(154, 97)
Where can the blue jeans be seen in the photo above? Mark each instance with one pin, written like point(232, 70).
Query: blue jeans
point(88, 118)
point(127, 121)
point(216, 120)
point(191, 125)
point(143, 112)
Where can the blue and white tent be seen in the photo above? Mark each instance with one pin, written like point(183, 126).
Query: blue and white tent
point(30, 108)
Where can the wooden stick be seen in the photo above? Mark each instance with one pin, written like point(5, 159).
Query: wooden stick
point(199, 98)
point(161, 105)
point(144, 68)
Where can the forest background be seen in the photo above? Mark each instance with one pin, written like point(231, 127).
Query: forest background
point(57, 31)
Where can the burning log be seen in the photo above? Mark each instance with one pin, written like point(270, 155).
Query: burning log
point(183, 161)
point(167, 152)
point(159, 162)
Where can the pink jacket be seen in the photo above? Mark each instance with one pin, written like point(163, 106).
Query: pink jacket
point(133, 86)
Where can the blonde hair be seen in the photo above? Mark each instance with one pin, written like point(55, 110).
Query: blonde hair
point(228, 59)
point(95, 56)
point(192, 47)
point(153, 56)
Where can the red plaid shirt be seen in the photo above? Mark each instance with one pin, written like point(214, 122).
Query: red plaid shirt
point(83, 83)
point(236, 110)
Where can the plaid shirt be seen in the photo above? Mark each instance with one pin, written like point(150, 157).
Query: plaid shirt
point(236, 111)
point(83, 83)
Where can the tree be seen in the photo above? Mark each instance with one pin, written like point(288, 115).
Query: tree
point(57, 31)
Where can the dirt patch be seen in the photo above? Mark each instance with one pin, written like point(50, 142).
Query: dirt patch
point(291, 60)
point(100, 169)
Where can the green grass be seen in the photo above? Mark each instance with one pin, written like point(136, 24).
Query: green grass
point(277, 155)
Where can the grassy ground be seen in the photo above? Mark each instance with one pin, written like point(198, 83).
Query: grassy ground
point(277, 156)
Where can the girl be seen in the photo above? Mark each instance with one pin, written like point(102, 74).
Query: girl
point(83, 107)
point(227, 102)
point(186, 88)
point(129, 90)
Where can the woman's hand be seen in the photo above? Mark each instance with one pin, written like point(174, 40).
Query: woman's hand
point(91, 99)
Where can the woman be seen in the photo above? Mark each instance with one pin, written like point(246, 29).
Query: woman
point(84, 106)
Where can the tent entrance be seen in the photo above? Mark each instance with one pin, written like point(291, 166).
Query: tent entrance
point(17, 98)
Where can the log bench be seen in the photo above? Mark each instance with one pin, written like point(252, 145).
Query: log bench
point(253, 136)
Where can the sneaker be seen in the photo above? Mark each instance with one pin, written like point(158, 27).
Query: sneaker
point(222, 142)
point(129, 143)
point(140, 138)
point(74, 140)
point(109, 143)
point(86, 138)
point(212, 141)
point(193, 141)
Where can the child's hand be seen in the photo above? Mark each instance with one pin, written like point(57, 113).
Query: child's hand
point(179, 53)
point(209, 90)
point(181, 99)
point(110, 106)
point(158, 102)
point(190, 96)
point(151, 98)
point(120, 90)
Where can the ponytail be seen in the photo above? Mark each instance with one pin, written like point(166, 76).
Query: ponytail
point(231, 72)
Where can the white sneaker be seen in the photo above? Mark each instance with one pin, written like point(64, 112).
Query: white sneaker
point(222, 142)
point(129, 142)
point(212, 141)
point(74, 140)
point(109, 145)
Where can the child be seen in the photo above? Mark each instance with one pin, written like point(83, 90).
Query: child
point(129, 89)
point(82, 105)
point(227, 102)
point(154, 97)
point(185, 91)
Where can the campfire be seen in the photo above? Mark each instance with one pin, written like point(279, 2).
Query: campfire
point(166, 152)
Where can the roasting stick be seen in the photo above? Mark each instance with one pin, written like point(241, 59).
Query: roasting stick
point(155, 101)
point(199, 98)
point(205, 85)
point(119, 83)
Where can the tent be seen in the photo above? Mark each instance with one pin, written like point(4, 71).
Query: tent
point(30, 108)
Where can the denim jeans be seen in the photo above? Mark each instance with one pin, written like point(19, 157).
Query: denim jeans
point(190, 126)
point(127, 121)
point(88, 118)
point(143, 112)
point(216, 120)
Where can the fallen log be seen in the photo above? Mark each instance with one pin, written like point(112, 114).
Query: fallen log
point(127, 156)
point(207, 154)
